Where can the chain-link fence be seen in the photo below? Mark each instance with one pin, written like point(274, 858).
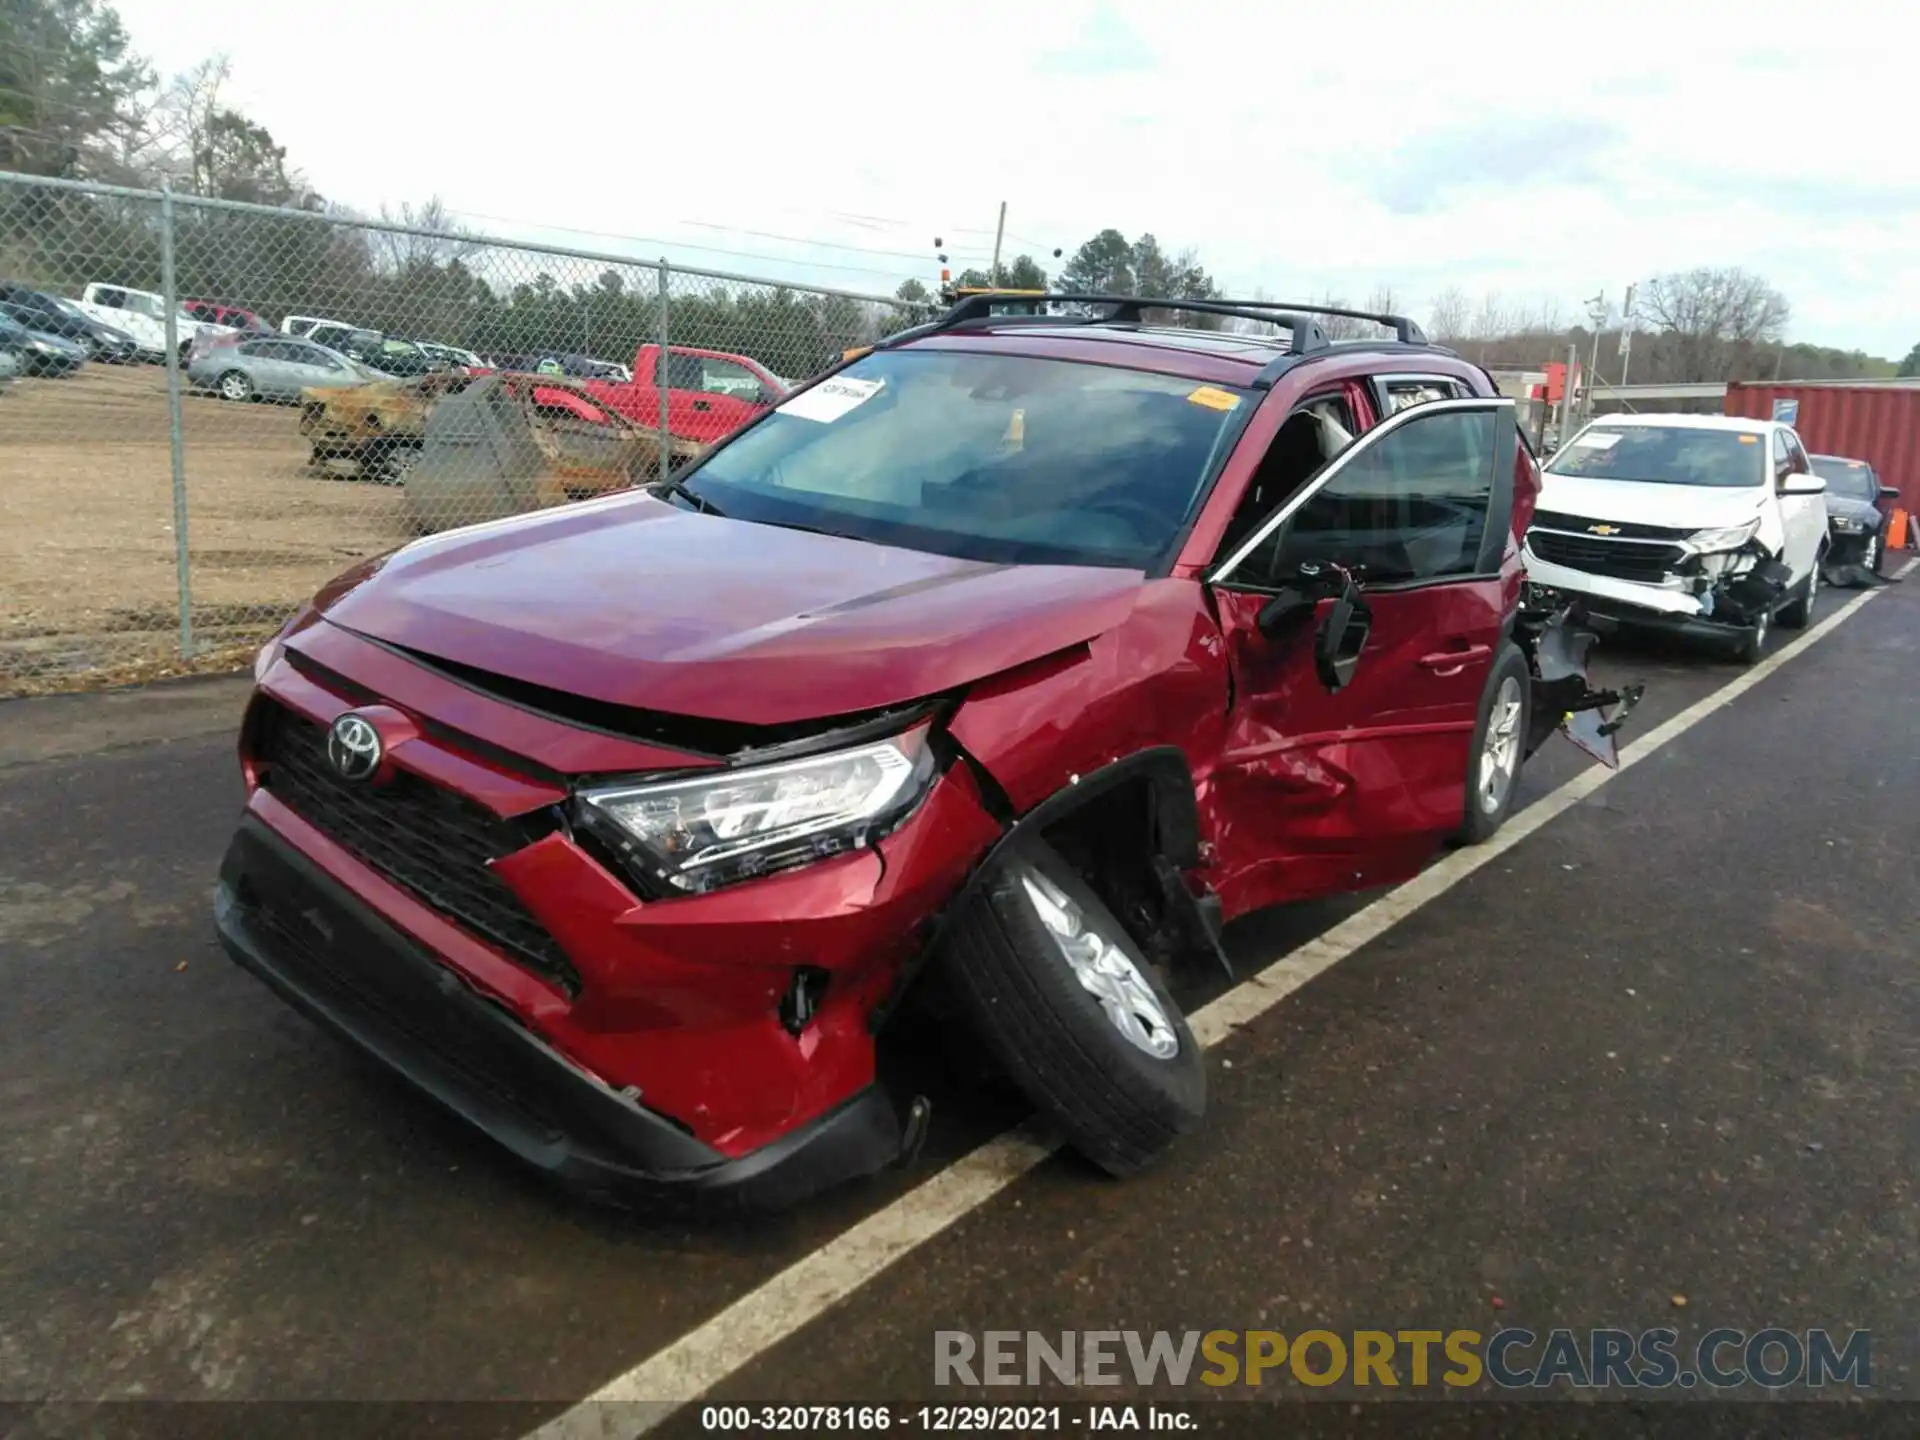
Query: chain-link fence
point(215, 407)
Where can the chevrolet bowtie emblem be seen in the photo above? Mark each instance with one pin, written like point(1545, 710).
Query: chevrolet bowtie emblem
point(1603, 529)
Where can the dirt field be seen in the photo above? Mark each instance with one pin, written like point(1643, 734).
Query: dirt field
point(88, 589)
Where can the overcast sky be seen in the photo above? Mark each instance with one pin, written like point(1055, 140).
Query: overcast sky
point(1543, 151)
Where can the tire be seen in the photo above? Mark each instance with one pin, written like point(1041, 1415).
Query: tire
point(1798, 613)
point(1752, 643)
point(1875, 556)
point(1499, 744)
point(1118, 1102)
point(235, 386)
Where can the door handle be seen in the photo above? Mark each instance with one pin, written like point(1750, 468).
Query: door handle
point(1452, 662)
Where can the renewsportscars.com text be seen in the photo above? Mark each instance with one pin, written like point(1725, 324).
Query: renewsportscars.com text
point(1512, 1358)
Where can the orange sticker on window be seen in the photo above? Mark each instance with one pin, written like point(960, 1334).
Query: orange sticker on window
point(1749, 439)
point(1214, 399)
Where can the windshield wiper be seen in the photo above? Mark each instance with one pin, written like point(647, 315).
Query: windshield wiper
point(698, 501)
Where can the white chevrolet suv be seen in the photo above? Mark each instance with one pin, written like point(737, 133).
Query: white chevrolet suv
point(1695, 523)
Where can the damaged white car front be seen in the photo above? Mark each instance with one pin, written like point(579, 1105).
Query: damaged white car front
point(1700, 524)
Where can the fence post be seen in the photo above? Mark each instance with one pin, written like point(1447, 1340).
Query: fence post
point(170, 300)
point(663, 377)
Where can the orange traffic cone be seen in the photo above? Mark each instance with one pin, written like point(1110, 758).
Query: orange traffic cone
point(1897, 529)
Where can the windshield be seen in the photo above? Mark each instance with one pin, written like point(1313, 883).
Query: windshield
point(1664, 455)
point(984, 457)
point(1850, 479)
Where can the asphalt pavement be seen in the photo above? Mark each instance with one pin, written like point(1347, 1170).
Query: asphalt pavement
point(1656, 1063)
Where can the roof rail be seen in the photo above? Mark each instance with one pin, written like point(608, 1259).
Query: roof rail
point(1129, 309)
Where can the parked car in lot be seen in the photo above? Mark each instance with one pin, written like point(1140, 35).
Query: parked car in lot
point(710, 393)
point(53, 315)
point(1710, 526)
point(1027, 651)
point(143, 315)
point(303, 325)
point(232, 317)
point(454, 356)
point(1856, 523)
point(41, 353)
point(273, 367)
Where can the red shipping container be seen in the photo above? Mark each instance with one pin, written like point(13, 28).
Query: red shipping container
point(1879, 424)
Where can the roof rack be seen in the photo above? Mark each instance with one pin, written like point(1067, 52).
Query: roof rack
point(1308, 334)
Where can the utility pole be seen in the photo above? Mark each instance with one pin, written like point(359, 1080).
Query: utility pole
point(1597, 312)
point(1626, 334)
point(1566, 393)
point(999, 233)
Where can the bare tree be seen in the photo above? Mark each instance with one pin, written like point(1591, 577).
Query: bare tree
point(1450, 315)
point(1714, 322)
point(398, 252)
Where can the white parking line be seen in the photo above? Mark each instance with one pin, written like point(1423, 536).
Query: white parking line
point(645, 1396)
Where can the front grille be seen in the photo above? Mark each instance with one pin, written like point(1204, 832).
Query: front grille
point(1638, 560)
point(1620, 529)
point(431, 841)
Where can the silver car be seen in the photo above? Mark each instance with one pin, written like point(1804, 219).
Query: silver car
point(273, 368)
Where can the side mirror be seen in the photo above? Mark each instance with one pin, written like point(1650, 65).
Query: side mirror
point(1341, 638)
point(1889, 492)
point(1801, 484)
point(1282, 611)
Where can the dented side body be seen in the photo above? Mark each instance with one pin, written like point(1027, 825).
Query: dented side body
point(1196, 768)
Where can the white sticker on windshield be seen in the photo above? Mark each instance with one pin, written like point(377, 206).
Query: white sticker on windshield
point(1599, 441)
point(830, 399)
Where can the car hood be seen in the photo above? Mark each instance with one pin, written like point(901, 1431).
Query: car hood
point(1680, 507)
point(58, 342)
point(635, 602)
point(1845, 506)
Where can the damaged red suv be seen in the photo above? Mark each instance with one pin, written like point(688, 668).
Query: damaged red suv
point(1025, 648)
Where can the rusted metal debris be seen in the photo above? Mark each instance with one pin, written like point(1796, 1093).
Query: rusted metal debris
point(507, 443)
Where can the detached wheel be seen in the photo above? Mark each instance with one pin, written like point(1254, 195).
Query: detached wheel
point(1871, 560)
point(236, 387)
point(1499, 739)
point(1075, 1014)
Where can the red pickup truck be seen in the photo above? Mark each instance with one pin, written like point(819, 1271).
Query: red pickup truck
point(710, 393)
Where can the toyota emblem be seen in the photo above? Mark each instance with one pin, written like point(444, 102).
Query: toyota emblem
point(353, 747)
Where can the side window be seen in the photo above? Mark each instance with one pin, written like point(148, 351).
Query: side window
point(685, 372)
point(111, 299)
point(1312, 435)
point(259, 350)
point(1801, 464)
point(1782, 455)
point(1409, 505)
point(727, 377)
point(1397, 394)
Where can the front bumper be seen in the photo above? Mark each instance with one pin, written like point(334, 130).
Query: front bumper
point(282, 917)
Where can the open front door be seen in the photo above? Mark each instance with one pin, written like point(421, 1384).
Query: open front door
point(1362, 619)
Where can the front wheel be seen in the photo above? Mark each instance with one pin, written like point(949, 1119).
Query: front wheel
point(236, 386)
point(1798, 613)
point(1752, 643)
point(1074, 1012)
point(1870, 562)
point(1499, 742)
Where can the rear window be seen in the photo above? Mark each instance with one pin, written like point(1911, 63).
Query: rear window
point(1853, 479)
point(1664, 455)
point(990, 457)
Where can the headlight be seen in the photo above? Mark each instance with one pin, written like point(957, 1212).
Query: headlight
point(1706, 542)
point(45, 349)
point(714, 829)
point(1846, 526)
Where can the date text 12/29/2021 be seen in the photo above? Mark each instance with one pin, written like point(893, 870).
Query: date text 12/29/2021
point(941, 1419)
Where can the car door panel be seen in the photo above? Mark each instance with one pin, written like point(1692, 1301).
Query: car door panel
point(1319, 790)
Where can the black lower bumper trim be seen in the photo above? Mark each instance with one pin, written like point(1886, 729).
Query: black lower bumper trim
point(333, 957)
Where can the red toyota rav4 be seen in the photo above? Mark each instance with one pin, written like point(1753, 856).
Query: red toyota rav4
point(1028, 647)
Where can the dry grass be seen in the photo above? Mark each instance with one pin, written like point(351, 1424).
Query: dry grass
point(88, 586)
